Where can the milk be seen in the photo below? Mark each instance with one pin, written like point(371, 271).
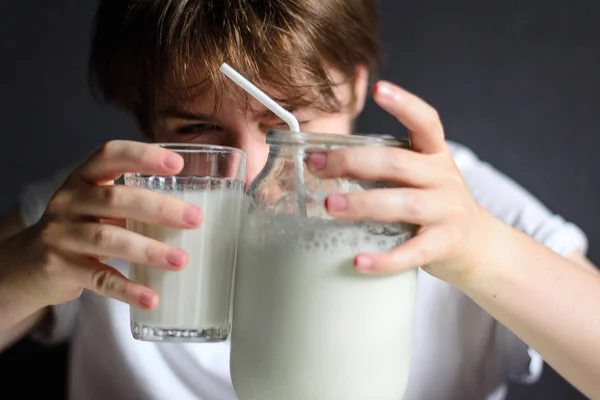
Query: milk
point(306, 325)
point(193, 303)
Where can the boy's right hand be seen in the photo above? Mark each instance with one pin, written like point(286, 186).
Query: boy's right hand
point(84, 225)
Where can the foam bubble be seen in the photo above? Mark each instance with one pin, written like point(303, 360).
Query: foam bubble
point(315, 234)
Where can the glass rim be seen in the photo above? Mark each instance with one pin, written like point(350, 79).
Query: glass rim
point(280, 136)
point(200, 148)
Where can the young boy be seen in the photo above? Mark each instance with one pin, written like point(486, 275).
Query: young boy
point(159, 60)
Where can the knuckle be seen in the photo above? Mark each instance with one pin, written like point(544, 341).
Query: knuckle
point(110, 149)
point(397, 164)
point(106, 149)
point(417, 106)
point(164, 206)
point(340, 162)
point(106, 281)
point(147, 152)
point(414, 205)
point(358, 203)
point(101, 236)
point(432, 118)
point(421, 256)
point(59, 203)
point(49, 232)
point(149, 254)
point(139, 153)
point(160, 208)
point(110, 195)
point(50, 263)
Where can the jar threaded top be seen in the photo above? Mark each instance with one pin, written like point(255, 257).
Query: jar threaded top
point(279, 137)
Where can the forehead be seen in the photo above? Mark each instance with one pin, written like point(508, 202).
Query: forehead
point(207, 100)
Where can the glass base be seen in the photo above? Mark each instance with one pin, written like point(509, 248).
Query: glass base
point(154, 334)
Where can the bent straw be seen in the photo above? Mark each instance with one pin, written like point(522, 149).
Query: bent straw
point(282, 113)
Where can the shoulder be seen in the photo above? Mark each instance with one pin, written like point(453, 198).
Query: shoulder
point(510, 202)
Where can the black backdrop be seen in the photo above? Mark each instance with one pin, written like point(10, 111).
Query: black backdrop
point(515, 80)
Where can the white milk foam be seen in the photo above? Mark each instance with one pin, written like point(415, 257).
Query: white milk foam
point(198, 297)
point(306, 325)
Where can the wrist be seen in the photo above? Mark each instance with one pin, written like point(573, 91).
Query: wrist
point(498, 250)
point(19, 277)
point(488, 243)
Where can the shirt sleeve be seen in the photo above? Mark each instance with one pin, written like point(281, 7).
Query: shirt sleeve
point(59, 324)
point(512, 204)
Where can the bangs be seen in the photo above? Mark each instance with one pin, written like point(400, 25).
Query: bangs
point(168, 50)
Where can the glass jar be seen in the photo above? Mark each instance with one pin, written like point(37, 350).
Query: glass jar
point(306, 324)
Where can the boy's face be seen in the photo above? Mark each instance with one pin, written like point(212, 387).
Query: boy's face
point(236, 125)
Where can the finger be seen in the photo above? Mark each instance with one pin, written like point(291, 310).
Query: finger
point(93, 239)
point(378, 163)
point(109, 282)
point(408, 205)
point(418, 251)
point(118, 157)
point(126, 202)
point(422, 120)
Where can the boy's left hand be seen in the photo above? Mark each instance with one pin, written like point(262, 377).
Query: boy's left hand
point(432, 193)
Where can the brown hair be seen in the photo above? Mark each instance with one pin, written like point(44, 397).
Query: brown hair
point(144, 51)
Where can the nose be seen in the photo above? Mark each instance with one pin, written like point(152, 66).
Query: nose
point(253, 142)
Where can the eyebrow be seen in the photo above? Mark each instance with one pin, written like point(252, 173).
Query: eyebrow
point(173, 112)
point(184, 114)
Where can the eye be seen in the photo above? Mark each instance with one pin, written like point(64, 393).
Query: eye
point(283, 125)
point(197, 129)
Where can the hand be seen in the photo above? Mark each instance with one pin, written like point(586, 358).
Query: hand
point(432, 195)
point(84, 225)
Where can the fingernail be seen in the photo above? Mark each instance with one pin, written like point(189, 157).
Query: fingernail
point(317, 161)
point(387, 92)
point(336, 202)
point(147, 299)
point(192, 215)
point(176, 257)
point(172, 161)
point(363, 262)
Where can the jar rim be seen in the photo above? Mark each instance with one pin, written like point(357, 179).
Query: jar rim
point(285, 137)
point(200, 148)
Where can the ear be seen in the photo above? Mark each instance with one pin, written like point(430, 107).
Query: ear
point(361, 84)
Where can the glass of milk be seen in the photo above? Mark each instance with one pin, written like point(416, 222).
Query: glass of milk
point(306, 324)
point(195, 303)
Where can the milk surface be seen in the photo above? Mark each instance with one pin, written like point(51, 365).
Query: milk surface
point(198, 298)
point(306, 325)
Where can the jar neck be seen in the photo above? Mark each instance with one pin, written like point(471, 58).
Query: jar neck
point(281, 139)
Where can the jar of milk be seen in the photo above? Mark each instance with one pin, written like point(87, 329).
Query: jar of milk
point(306, 324)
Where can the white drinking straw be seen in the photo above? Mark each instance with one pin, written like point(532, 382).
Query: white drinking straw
point(282, 113)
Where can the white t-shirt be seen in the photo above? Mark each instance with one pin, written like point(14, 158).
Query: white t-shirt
point(459, 351)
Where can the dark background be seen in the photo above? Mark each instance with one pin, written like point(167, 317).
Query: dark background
point(517, 81)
